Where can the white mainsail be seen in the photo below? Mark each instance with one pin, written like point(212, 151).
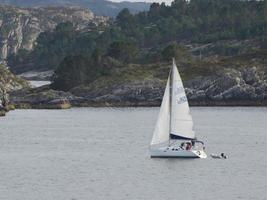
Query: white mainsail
point(181, 120)
point(174, 116)
point(162, 129)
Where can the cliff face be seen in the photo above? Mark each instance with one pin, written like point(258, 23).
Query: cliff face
point(19, 27)
point(99, 7)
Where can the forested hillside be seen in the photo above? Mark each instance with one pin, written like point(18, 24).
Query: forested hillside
point(207, 37)
point(151, 36)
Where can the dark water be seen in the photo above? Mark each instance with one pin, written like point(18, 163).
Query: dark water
point(90, 154)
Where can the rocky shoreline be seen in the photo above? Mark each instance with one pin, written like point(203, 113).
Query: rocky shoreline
point(82, 102)
point(232, 87)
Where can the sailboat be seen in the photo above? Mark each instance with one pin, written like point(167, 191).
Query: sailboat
point(174, 135)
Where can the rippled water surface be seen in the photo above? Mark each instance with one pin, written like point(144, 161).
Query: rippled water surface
point(90, 154)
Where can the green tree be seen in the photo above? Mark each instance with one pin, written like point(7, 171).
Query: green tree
point(77, 70)
point(123, 51)
point(71, 72)
point(176, 51)
point(125, 19)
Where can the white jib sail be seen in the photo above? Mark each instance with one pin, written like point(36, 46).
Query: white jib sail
point(181, 120)
point(162, 129)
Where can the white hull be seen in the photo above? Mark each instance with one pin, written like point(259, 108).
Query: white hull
point(172, 152)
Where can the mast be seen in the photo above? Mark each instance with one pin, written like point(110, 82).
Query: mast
point(171, 80)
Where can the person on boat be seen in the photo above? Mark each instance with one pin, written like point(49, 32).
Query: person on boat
point(188, 146)
point(223, 156)
point(219, 156)
point(182, 145)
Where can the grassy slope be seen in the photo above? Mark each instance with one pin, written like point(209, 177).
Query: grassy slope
point(127, 74)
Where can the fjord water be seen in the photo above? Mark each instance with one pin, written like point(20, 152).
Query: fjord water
point(102, 153)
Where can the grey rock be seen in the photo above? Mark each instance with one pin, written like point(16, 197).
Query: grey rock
point(247, 84)
point(8, 82)
point(132, 93)
point(19, 27)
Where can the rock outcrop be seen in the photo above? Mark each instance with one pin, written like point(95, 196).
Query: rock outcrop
point(19, 27)
point(8, 83)
point(246, 86)
point(133, 93)
point(3, 102)
point(41, 98)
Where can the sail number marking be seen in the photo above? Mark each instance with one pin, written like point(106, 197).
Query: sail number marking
point(182, 100)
